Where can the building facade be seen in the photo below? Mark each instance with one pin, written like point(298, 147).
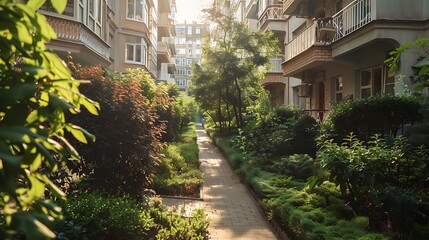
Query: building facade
point(189, 40)
point(338, 47)
point(116, 34)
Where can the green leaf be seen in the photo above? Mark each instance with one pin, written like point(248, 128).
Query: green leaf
point(29, 224)
point(77, 133)
point(59, 5)
point(35, 4)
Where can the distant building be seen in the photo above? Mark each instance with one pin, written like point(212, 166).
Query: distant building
point(189, 41)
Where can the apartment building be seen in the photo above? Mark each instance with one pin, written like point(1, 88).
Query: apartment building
point(166, 45)
point(338, 47)
point(267, 15)
point(189, 41)
point(116, 34)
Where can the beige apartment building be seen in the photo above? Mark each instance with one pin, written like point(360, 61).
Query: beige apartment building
point(338, 47)
point(189, 41)
point(335, 49)
point(116, 34)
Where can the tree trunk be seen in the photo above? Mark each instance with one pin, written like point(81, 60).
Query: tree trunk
point(240, 114)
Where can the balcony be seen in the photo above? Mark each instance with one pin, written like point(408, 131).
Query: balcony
point(276, 65)
point(353, 17)
point(165, 25)
point(325, 31)
point(296, 7)
point(273, 13)
point(251, 9)
point(73, 32)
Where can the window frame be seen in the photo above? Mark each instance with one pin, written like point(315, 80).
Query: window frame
point(144, 11)
point(143, 52)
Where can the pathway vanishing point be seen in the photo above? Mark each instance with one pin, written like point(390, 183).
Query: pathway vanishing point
point(233, 212)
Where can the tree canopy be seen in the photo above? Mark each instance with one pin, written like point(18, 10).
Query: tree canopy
point(233, 64)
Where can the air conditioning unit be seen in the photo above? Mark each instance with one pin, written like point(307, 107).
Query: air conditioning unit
point(304, 90)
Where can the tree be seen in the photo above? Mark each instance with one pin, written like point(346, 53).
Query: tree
point(36, 92)
point(230, 72)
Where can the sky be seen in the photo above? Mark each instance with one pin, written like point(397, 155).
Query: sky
point(190, 10)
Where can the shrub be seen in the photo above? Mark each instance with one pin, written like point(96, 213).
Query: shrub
point(178, 173)
point(386, 182)
point(123, 158)
point(97, 216)
point(384, 114)
point(287, 132)
point(299, 166)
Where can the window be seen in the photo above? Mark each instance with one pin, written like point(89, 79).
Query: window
point(181, 61)
point(180, 51)
point(198, 51)
point(180, 40)
point(389, 85)
point(181, 82)
point(198, 41)
point(181, 71)
point(189, 61)
point(197, 30)
point(189, 72)
point(189, 30)
point(135, 50)
point(137, 10)
point(371, 82)
point(180, 30)
point(338, 89)
point(190, 51)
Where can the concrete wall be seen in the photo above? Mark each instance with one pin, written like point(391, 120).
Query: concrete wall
point(402, 9)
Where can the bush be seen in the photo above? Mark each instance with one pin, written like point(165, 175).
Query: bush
point(97, 216)
point(288, 131)
point(384, 114)
point(123, 158)
point(386, 182)
point(299, 166)
point(178, 172)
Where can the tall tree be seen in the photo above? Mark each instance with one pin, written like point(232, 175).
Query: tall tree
point(232, 67)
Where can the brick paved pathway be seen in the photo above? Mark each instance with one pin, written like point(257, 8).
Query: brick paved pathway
point(234, 213)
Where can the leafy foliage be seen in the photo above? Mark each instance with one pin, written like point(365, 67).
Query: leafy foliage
point(287, 132)
point(178, 172)
point(128, 130)
point(97, 216)
point(36, 92)
point(386, 182)
point(229, 76)
point(384, 115)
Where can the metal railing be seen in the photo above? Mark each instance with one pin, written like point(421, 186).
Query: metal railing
point(352, 17)
point(325, 31)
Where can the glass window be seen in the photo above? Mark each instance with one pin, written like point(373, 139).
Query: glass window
point(181, 82)
point(137, 10)
point(135, 50)
point(189, 61)
point(180, 30)
point(197, 51)
point(180, 51)
point(338, 89)
point(181, 71)
point(180, 40)
point(181, 61)
point(189, 30)
point(197, 30)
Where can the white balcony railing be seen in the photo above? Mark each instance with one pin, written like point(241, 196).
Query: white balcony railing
point(276, 65)
point(325, 31)
point(302, 42)
point(273, 12)
point(352, 17)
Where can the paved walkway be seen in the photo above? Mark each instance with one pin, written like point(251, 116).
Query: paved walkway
point(233, 212)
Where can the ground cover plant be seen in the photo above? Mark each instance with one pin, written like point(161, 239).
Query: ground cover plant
point(178, 172)
point(99, 216)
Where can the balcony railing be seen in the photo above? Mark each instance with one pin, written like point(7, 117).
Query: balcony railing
point(301, 43)
point(76, 31)
point(325, 31)
point(352, 17)
point(273, 12)
point(276, 65)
